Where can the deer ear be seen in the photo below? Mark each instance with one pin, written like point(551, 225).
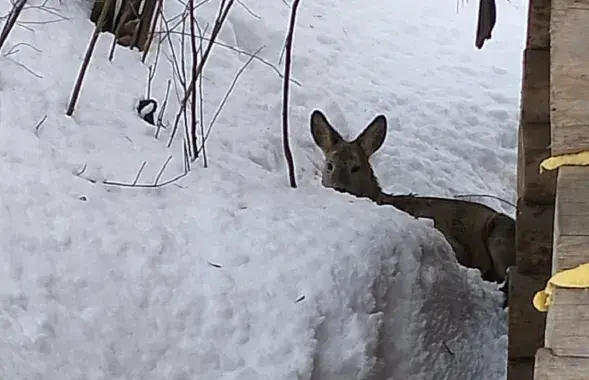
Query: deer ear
point(323, 133)
point(371, 139)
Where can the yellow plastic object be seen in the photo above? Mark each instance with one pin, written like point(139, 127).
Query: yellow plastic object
point(574, 159)
point(571, 278)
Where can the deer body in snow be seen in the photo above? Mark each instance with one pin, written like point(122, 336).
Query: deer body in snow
point(480, 237)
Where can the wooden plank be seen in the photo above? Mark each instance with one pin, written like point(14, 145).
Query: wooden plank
point(569, 76)
point(572, 251)
point(539, 24)
point(572, 202)
point(534, 237)
point(551, 367)
point(567, 323)
point(535, 147)
point(520, 370)
point(526, 324)
point(535, 100)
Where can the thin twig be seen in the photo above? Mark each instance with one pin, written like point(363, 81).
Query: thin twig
point(160, 115)
point(161, 172)
point(139, 172)
point(39, 124)
point(285, 104)
point(259, 59)
point(192, 140)
point(223, 12)
point(226, 96)
point(11, 20)
point(89, 52)
point(152, 32)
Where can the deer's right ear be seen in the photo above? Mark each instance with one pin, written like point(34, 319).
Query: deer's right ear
point(324, 134)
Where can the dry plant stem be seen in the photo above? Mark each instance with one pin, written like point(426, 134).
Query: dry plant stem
point(155, 184)
point(194, 51)
point(160, 115)
point(88, 56)
point(11, 20)
point(138, 175)
point(287, 66)
point(125, 15)
point(259, 59)
point(152, 32)
point(223, 12)
point(201, 102)
point(226, 96)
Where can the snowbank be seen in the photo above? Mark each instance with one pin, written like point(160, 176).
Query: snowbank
point(205, 279)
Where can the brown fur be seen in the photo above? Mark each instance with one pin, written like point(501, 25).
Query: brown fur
point(481, 237)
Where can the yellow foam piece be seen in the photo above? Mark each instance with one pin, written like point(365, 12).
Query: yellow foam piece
point(573, 159)
point(577, 277)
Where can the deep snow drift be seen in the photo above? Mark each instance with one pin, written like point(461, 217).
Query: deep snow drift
point(229, 273)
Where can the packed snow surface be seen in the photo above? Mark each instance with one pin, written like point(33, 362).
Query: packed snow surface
point(228, 273)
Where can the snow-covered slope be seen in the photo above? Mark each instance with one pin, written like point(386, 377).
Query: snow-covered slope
point(205, 278)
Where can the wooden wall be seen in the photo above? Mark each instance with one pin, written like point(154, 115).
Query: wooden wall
point(566, 352)
point(536, 198)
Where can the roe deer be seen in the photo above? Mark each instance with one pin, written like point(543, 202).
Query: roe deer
point(481, 237)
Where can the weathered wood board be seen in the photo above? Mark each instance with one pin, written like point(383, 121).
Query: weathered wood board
point(569, 76)
point(551, 367)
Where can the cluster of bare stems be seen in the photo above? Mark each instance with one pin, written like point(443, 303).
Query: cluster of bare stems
point(187, 81)
point(11, 20)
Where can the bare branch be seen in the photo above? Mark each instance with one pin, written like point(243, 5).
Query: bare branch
point(223, 12)
point(11, 19)
point(139, 172)
point(39, 124)
point(89, 52)
point(226, 96)
point(285, 104)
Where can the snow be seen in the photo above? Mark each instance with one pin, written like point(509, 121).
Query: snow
point(229, 273)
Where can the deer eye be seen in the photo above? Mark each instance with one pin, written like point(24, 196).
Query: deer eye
point(329, 166)
point(355, 169)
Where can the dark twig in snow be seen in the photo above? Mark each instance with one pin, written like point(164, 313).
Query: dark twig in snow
point(14, 50)
point(248, 10)
point(447, 348)
point(214, 265)
point(139, 172)
point(160, 116)
point(39, 124)
point(259, 59)
point(155, 184)
point(221, 17)
point(11, 19)
point(192, 135)
point(161, 172)
point(81, 172)
point(152, 32)
point(300, 299)
point(226, 96)
point(89, 52)
point(285, 86)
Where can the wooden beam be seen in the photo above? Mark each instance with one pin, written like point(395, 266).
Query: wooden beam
point(520, 369)
point(539, 24)
point(535, 101)
point(534, 237)
point(551, 367)
point(567, 323)
point(534, 147)
point(572, 203)
point(526, 324)
point(569, 76)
